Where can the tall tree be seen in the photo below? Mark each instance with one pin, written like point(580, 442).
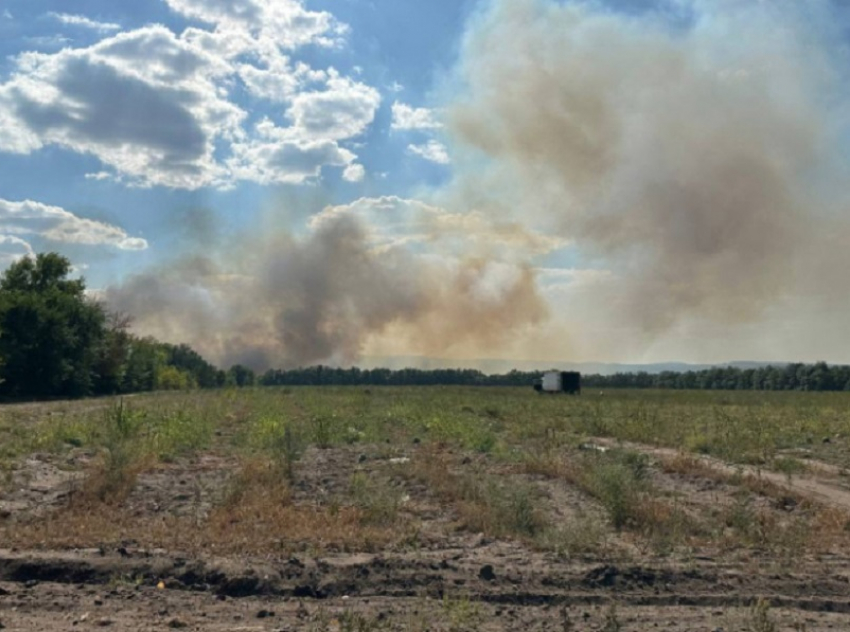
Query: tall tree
point(50, 332)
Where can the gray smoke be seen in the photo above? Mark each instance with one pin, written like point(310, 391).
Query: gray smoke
point(694, 149)
point(279, 301)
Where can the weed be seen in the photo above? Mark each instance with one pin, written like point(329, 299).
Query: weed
point(582, 534)
point(325, 427)
point(350, 621)
point(789, 466)
point(115, 477)
point(740, 516)
point(346, 621)
point(283, 444)
point(618, 480)
point(759, 619)
point(462, 613)
point(378, 501)
point(496, 507)
point(288, 451)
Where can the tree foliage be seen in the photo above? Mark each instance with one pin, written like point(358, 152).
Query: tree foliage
point(55, 341)
point(50, 332)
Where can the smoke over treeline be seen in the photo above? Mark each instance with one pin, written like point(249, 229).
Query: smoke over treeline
point(694, 150)
point(280, 301)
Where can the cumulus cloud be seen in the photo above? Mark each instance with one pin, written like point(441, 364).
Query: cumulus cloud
point(56, 224)
point(354, 173)
point(158, 108)
point(275, 156)
point(286, 22)
point(433, 151)
point(84, 22)
point(342, 110)
point(156, 122)
point(406, 117)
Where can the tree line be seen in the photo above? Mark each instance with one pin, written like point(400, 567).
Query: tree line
point(55, 341)
point(790, 377)
point(787, 377)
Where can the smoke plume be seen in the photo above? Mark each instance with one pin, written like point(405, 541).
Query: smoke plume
point(279, 301)
point(693, 149)
point(692, 154)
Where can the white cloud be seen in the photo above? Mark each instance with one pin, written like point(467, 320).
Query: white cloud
point(286, 22)
point(48, 41)
point(279, 160)
point(433, 151)
point(393, 222)
point(344, 110)
point(100, 175)
point(57, 224)
point(156, 121)
point(159, 109)
point(84, 22)
point(354, 173)
point(7, 14)
point(406, 117)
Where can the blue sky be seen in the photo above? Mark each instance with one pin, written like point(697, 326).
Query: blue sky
point(401, 53)
point(531, 179)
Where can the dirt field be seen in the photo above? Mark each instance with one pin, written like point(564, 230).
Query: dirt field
point(413, 532)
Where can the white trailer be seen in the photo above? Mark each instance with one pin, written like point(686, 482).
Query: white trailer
point(559, 382)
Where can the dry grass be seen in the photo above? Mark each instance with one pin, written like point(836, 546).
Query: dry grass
point(496, 507)
point(618, 480)
point(690, 465)
point(256, 517)
point(789, 524)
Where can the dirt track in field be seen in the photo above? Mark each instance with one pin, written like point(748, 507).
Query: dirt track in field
point(821, 482)
point(446, 578)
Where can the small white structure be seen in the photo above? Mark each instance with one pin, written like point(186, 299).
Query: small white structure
point(559, 382)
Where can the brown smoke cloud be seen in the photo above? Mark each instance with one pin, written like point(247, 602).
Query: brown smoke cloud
point(697, 156)
point(279, 301)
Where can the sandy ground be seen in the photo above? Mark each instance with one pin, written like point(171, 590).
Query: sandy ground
point(450, 579)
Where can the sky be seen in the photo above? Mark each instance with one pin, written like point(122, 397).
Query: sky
point(288, 182)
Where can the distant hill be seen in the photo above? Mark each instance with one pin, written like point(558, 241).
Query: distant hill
point(503, 366)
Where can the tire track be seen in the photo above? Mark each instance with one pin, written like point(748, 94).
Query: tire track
point(812, 488)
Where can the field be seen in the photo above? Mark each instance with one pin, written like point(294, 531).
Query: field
point(427, 508)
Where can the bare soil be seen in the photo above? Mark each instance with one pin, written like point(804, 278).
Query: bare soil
point(433, 573)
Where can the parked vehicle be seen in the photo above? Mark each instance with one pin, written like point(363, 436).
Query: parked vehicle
point(559, 382)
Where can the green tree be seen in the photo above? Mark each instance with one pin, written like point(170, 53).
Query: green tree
point(239, 375)
point(170, 378)
point(114, 354)
point(145, 361)
point(50, 332)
